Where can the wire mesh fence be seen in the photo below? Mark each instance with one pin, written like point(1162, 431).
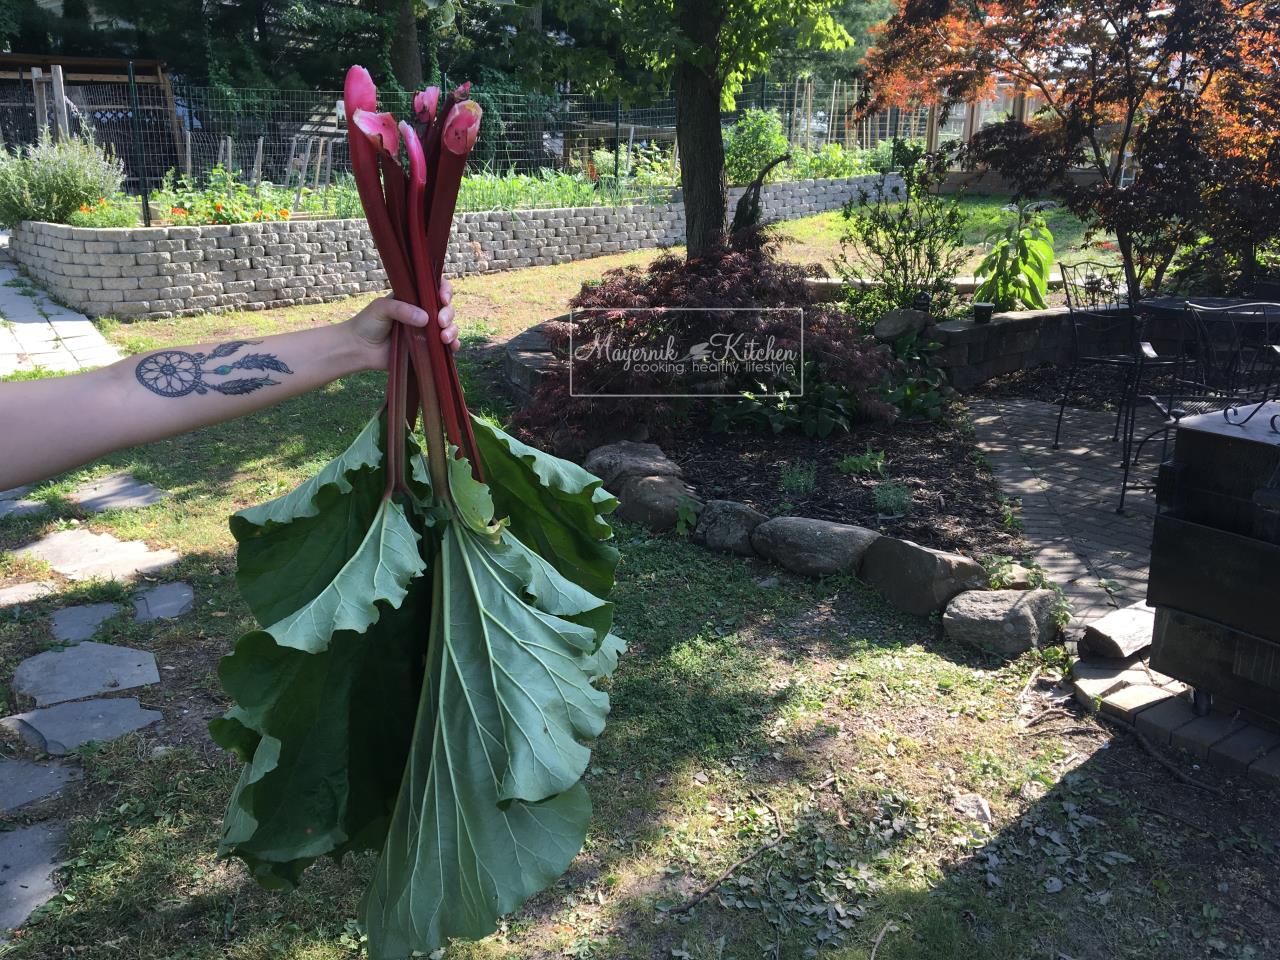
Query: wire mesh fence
point(296, 140)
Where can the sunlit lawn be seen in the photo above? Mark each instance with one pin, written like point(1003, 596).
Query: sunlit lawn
point(741, 700)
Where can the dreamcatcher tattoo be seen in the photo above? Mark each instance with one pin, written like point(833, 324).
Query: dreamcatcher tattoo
point(176, 373)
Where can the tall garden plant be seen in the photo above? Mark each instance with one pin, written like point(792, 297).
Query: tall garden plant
point(901, 237)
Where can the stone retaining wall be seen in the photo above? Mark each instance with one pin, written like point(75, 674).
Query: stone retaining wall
point(167, 271)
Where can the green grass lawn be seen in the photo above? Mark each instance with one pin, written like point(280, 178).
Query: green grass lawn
point(816, 239)
point(744, 705)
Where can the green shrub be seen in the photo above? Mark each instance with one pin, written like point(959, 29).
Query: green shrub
point(118, 211)
point(752, 142)
point(891, 498)
point(50, 180)
point(828, 163)
point(904, 237)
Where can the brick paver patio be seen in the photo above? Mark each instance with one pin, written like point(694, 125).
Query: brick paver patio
point(1069, 497)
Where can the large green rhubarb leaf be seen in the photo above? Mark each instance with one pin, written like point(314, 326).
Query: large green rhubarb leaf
point(554, 506)
point(325, 696)
point(491, 810)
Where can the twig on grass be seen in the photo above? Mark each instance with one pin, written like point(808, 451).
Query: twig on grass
point(1031, 680)
point(1048, 714)
point(889, 925)
point(1164, 761)
point(709, 888)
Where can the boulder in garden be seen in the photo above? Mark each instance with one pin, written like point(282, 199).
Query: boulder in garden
point(918, 579)
point(726, 526)
point(615, 463)
point(814, 548)
point(655, 501)
point(1007, 622)
point(898, 323)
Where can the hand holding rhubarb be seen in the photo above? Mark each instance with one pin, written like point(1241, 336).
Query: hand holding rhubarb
point(432, 621)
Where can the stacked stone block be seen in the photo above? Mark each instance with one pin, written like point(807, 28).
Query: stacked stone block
point(162, 272)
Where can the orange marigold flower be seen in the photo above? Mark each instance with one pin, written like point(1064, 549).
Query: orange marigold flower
point(283, 212)
point(84, 208)
point(218, 207)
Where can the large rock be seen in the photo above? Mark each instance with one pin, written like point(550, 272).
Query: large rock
point(615, 463)
point(726, 526)
point(1007, 622)
point(897, 323)
point(655, 501)
point(919, 579)
point(814, 548)
point(1121, 633)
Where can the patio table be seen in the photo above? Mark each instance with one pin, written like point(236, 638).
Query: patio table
point(1175, 308)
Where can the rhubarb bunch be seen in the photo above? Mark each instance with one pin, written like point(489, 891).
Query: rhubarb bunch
point(433, 621)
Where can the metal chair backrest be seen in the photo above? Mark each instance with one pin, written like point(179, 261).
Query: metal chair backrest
point(1234, 347)
point(1099, 304)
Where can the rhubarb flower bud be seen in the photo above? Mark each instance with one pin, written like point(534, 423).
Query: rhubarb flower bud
point(424, 104)
point(379, 128)
point(462, 90)
point(462, 127)
point(359, 91)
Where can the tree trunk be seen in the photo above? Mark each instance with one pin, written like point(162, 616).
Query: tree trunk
point(406, 58)
point(697, 93)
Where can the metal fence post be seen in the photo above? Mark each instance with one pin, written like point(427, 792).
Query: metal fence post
point(137, 147)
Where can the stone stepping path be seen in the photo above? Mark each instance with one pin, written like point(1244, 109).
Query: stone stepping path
point(118, 491)
point(60, 729)
point(85, 670)
point(25, 781)
point(24, 592)
point(164, 602)
point(81, 555)
point(28, 857)
point(12, 503)
point(73, 624)
point(45, 335)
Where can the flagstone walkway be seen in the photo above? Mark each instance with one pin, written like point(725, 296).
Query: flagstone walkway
point(1068, 500)
point(73, 690)
point(38, 334)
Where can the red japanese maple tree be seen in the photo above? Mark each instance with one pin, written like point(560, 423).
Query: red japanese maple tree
point(1170, 107)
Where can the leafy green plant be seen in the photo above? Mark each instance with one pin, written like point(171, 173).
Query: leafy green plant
point(753, 141)
point(916, 384)
point(1016, 270)
point(51, 179)
point(799, 478)
point(902, 236)
point(221, 198)
point(686, 517)
point(891, 498)
point(829, 161)
point(870, 463)
point(433, 626)
point(119, 211)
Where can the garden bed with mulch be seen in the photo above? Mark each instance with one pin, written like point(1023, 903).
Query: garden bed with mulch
point(955, 505)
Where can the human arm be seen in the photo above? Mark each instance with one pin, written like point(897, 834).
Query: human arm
point(53, 424)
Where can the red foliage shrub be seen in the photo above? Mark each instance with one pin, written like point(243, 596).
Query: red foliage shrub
point(745, 274)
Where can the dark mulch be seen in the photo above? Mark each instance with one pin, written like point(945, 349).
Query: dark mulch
point(956, 505)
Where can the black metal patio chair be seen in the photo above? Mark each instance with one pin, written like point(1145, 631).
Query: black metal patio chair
point(1229, 362)
point(1100, 315)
